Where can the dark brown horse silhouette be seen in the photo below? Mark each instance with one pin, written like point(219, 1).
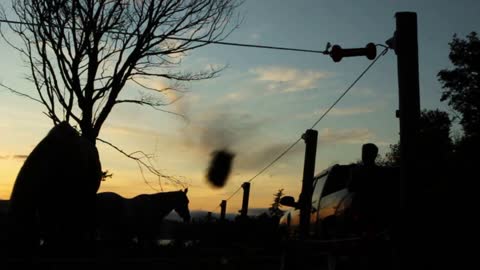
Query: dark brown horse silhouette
point(119, 219)
point(54, 193)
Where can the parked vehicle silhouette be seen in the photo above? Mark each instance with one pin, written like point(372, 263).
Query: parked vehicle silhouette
point(333, 212)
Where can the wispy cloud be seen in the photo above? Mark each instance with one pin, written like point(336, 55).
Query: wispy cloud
point(346, 136)
point(346, 111)
point(163, 91)
point(255, 36)
point(259, 158)
point(218, 129)
point(236, 96)
point(339, 112)
point(14, 157)
point(129, 130)
point(173, 44)
point(363, 92)
point(285, 79)
point(20, 157)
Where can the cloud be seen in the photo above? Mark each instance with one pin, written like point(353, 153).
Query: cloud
point(171, 44)
point(347, 136)
point(339, 112)
point(255, 36)
point(163, 91)
point(20, 157)
point(218, 129)
point(284, 79)
point(127, 130)
point(363, 92)
point(236, 96)
point(14, 157)
point(346, 111)
point(258, 159)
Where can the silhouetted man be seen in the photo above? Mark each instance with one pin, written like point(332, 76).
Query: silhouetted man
point(369, 154)
point(366, 184)
point(370, 204)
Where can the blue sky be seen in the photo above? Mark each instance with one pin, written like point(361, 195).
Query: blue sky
point(262, 102)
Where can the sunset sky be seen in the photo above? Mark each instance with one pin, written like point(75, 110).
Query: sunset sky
point(261, 103)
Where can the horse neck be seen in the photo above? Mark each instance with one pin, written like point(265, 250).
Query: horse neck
point(167, 200)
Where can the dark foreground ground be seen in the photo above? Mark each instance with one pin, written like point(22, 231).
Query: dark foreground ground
point(280, 255)
point(165, 257)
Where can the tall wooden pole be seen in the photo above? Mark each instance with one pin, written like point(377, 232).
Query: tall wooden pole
point(310, 137)
point(406, 48)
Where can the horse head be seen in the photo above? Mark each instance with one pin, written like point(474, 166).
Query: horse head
point(181, 205)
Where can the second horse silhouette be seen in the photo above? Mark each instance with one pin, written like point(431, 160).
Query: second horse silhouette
point(120, 220)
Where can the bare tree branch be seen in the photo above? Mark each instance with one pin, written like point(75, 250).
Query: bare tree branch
point(20, 93)
point(144, 161)
point(82, 53)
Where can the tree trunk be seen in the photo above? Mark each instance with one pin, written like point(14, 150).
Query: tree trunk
point(88, 132)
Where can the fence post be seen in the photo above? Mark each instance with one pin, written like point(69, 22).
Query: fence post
point(223, 208)
point(310, 137)
point(209, 217)
point(406, 47)
point(246, 195)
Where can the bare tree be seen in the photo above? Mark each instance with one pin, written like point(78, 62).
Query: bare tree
point(83, 52)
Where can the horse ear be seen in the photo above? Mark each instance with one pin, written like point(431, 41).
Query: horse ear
point(185, 191)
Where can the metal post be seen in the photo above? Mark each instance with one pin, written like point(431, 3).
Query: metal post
point(310, 137)
point(223, 208)
point(246, 194)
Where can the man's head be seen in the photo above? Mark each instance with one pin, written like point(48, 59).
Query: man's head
point(369, 153)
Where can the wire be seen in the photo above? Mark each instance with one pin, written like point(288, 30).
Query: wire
point(197, 40)
point(350, 87)
point(261, 47)
point(316, 122)
point(275, 160)
point(266, 167)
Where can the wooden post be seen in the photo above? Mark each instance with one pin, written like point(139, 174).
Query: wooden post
point(209, 216)
point(246, 195)
point(406, 48)
point(310, 137)
point(223, 208)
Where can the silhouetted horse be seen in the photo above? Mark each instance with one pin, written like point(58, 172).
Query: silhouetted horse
point(54, 193)
point(120, 220)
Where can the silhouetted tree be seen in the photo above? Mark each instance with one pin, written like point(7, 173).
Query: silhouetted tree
point(461, 85)
point(435, 145)
point(274, 209)
point(82, 53)
point(391, 158)
point(461, 88)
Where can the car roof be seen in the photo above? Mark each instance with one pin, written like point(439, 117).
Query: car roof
point(327, 170)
